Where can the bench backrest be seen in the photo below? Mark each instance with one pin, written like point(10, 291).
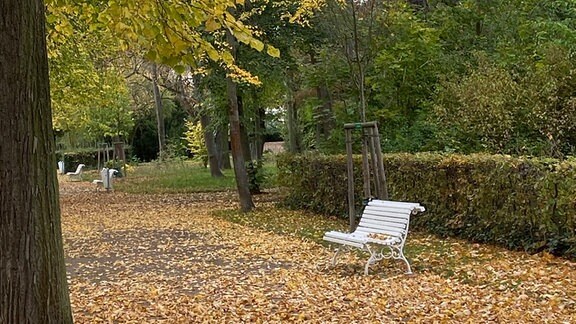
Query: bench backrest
point(79, 169)
point(107, 175)
point(387, 217)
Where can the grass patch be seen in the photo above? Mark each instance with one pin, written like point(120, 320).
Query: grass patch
point(173, 177)
point(285, 222)
point(182, 177)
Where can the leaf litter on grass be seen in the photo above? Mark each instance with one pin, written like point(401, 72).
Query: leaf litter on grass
point(168, 258)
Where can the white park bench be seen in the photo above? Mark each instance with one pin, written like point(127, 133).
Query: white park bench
point(76, 174)
point(381, 232)
point(61, 168)
point(106, 176)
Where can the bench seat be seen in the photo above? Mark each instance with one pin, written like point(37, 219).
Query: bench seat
point(381, 232)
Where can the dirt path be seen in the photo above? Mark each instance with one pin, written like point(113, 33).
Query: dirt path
point(165, 258)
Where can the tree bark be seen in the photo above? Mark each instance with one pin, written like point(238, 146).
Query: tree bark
point(209, 140)
point(33, 286)
point(245, 139)
point(323, 112)
point(294, 142)
point(246, 203)
point(223, 147)
point(259, 130)
point(159, 111)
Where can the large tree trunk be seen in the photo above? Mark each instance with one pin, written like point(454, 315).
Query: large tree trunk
point(246, 203)
point(213, 159)
point(33, 286)
point(159, 111)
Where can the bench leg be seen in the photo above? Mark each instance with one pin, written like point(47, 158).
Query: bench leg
point(334, 258)
point(394, 253)
point(401, 256)
point(370, 261)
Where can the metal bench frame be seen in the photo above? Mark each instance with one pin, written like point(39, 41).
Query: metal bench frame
point(382, 232)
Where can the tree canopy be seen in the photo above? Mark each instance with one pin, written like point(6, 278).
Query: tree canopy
point(456, 76)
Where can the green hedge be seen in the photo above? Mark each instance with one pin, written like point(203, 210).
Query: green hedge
point(521, 203)
point(88, 157)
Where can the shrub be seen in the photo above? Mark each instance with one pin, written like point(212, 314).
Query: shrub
point(88, 157)
point(521, 203)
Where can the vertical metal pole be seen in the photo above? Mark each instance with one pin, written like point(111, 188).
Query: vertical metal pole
point(380, 162)
point(350, 169)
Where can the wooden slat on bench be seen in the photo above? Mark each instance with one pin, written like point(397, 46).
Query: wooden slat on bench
point(397, 204)
point(381, 218)
point(385, 218)
point(343, 242)
point(383, 225)
point(385, 211)
point(387, 231)
point(345, 238)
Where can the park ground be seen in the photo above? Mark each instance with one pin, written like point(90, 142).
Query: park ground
point(191, 258)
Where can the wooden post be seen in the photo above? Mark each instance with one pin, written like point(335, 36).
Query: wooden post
point(371, 143)
point(365, 166)
point(380, 164)
point(98, 158)
point(350, 169)
point(375, 165)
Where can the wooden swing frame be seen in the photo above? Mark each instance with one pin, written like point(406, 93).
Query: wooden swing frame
point(372, 164)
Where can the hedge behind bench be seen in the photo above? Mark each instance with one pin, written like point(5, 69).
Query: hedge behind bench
point(520, 203)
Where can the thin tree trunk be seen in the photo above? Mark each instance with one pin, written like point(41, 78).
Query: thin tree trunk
point(222, 140)
point(244, 131)
point(324, 126)
point(294, 139)
point(259, 129)
point(210, 147)
point(33, 286)
point(323, 113)
point(359, 62)
point(159, 111)
point(246, 203)
point(294, 145)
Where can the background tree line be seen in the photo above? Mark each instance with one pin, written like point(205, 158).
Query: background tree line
point(450, 76)
point(459, 76)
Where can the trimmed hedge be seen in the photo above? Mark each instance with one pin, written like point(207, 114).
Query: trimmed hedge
point(520, 203)
point(88, 157)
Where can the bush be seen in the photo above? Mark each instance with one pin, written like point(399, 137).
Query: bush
point(72, 159)
point(521, 203)
point(256, 176)
point(88, 157)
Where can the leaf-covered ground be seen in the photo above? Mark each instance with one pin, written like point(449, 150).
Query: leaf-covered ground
point(174, 259)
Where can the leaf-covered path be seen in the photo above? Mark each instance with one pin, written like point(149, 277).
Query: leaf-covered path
point(167, 258)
